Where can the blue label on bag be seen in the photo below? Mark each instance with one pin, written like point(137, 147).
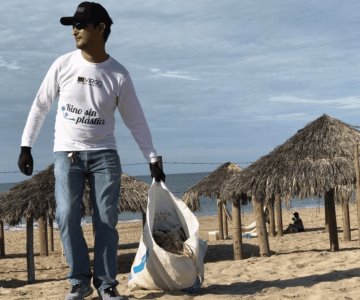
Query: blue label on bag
point(142, 264)
point(195, 288)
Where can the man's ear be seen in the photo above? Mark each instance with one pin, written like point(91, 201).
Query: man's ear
point(102, 27)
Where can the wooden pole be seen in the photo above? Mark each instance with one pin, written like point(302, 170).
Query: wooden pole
point(357, 172)
point(44, 250)
point(2, 240)
point(225, 219)
point(51, 234)
point(220, 219)
point(278, 215)
point(333, 234)
point(30, 249)
point(326, 208)
point(270, 207)
point(236, 223)
point(143, 216)
point(261, 228)
point(346, 220)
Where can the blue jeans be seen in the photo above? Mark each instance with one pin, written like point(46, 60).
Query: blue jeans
point(103, 170)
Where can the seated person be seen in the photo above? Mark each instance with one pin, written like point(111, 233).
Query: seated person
point(296, 226)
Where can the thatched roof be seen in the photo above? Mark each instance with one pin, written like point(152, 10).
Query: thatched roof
point(317, 158)
point(33, 197)
point(133, 195)
point(36, 197)
point(210, 186)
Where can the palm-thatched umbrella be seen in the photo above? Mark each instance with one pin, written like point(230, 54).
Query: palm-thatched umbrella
point(30, 198)
point(210, 186)
point(35, 199)
point(314, 162)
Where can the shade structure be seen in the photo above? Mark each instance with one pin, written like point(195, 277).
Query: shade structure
point(35, 197)
point(30, 198)
point(210, 186)
point(318, 158)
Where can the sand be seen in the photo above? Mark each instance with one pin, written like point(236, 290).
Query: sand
point(300, 267)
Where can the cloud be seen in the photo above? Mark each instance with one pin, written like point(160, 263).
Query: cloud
point(157, 73)
point(283, 117)
point(341, 103)
point(13, 66)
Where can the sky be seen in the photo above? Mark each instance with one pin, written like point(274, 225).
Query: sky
point(218, 80)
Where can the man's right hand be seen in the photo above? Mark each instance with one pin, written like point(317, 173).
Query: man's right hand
point(157, 172)
point(25, 161)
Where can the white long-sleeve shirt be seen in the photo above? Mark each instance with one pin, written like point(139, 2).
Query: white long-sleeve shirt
point(88, 95)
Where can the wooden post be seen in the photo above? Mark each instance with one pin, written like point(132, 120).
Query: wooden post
point(237, 235)
point(220, 219)
point(143, 216)
point(346, 220)
point(333, 235)
point(225, 219)
point(44, 250)
point(30, 249)
point(357, 170)
point(261, 228)
point(278, 215)
point(326, 208)
point(270, 207)
point(51, 234)
point(2, 240)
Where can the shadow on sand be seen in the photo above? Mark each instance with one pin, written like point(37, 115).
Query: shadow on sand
point(244, 288)
point(15, 283)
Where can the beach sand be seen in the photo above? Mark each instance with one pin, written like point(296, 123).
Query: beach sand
point(300, 267)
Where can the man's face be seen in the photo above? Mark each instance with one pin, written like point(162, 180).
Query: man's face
point(86, 35)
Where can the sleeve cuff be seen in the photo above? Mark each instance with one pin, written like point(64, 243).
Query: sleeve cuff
point(153, 158)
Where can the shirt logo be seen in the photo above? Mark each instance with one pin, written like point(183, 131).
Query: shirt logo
point(90, 81)
point(80, 115)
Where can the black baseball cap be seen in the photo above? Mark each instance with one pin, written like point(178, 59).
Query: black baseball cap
point(88, 12)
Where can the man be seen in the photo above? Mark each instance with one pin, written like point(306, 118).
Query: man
point(296, 226)
point(90, 85)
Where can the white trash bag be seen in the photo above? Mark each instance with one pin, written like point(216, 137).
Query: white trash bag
point(170, 254)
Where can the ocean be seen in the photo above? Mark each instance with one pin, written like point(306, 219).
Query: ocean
point(178, 183)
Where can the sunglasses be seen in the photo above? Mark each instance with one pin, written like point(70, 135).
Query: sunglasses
point(80, 25)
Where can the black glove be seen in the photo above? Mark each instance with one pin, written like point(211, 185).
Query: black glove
point(25, 161)
point(156, 172)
